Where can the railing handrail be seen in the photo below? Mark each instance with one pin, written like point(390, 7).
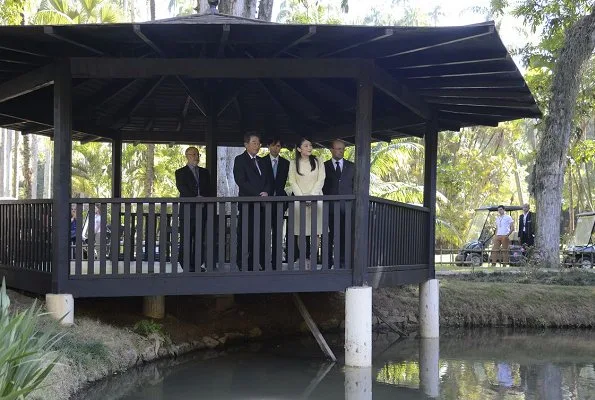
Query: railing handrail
point(399, 204)
point(266, 199)
point(28, 201)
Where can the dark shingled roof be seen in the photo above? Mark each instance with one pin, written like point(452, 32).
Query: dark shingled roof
point(464, 74)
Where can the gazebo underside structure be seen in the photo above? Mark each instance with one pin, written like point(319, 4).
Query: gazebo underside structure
point(208, 79)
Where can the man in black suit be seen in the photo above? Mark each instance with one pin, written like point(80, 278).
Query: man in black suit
point(251, 175)
point(278, 168)
point(526, 227)
point(338, 181)
point(192, 181)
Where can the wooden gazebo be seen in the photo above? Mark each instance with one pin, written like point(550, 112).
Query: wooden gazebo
point(207, 79)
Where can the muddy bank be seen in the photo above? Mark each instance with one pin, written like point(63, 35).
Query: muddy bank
point(111, 335)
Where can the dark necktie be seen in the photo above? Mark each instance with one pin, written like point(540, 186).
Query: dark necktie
point(338, 169)
point(195, 172)
point(256, 165)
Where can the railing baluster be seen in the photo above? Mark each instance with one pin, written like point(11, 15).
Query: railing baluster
point(348, 231)
point(174, 245)
point(151, 239)
point(233, 236)
point(325, 233)
point(337, 234)
point(267, 236)
point(314, 235)
point(102, 238)
point(210, 232)
point(290, 239)
point(221, 236)
point(139, 239)
point(127, 250)
point(256, 240)
point(115, 238)
point(162, 237)
point(302, 237)
point(78, 240)
point(278, 235)
point(244, 241)
point(186, 239)
point(199, 238)
point(91, 239)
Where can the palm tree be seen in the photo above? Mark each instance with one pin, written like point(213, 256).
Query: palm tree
point(63, 12)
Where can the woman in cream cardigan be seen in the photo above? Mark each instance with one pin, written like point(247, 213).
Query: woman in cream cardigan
point(306, 178)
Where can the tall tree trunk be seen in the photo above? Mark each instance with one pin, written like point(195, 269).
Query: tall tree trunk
point(26, 168)
point(517, 178)
point(34, 166)
point(2, 162)
point(47, 171)
point(265, 10)
point(15, 165)
point(553, 147)
point(149, 183)
point(239, 8)
point(226, 186)
point(202, 6)
point(7, 163)
point(152, 9)
point(571, 207)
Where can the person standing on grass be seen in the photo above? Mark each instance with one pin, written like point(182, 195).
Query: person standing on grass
point(526, 227)
point(504, 227)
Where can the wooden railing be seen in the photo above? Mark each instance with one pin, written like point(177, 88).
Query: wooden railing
point(124, 237)
point(398, 234)
point(26, 235)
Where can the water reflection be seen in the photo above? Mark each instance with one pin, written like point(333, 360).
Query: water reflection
point(467, 365)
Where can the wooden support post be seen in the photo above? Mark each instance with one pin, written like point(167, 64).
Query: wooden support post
point(212, 149)
point(431, 157)
point(313, 328)
point(363, 128)
point(62, 176)
point(116, 168)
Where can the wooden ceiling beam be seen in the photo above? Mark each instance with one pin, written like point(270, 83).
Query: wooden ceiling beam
point(106, 67)
point(480, 32)
point(28, 49)
point(53, 32)
point(475, 101)
point(223, 40)
point(104, 95)
point(401, 93)
point(122, 115)
point(414, 61)
point(197, 95)
point(292, 43)
point(481, 110)
point(138, 32)
point(27, 83)
point(385, 34)
point(519, 93)
point(492, 67)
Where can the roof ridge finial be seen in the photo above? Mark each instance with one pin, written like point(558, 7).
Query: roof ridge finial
point(213, 4)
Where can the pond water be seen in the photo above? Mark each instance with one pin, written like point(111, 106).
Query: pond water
point(477, 364)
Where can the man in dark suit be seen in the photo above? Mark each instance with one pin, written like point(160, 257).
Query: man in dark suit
point(526, 227)
point(278, 169)
point(192, 181)
point(338, 181)
point(251, 175)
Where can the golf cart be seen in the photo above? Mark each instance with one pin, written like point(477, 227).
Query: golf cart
point(579, 251)
point(478, 241)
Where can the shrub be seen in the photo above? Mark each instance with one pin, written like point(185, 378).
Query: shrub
point(25, 352)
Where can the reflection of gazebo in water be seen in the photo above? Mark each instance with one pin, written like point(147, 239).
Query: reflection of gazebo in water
point(208, 79)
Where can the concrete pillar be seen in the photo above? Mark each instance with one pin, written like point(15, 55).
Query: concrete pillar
point(358, 326)
point(60, 306)
point(429, 316)
point(358, 383)
point(154, 306)
point(429, 367)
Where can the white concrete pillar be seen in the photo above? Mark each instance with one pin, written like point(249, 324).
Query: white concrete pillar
point(429, 316)
point(60, 306)
point(429, 367)
point(358, 326)
point(154, 306)
point(358, 383)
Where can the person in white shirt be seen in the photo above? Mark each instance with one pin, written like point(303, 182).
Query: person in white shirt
point(504, 227)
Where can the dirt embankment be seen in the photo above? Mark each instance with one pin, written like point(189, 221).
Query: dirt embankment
point(111, 335)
